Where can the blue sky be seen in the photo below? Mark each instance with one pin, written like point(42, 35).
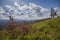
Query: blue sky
point(25, 6)
point(44, 3)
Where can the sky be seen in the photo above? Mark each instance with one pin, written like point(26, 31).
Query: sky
point(28, 9)
point(46, 3)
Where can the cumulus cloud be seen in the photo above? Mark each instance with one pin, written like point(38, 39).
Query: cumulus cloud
point(30, 6)
point(17, 5)
point(29, 11)
point(32, 9)
point(57, 10)
point(3, 14)
point(12, 10)
point(1, 10)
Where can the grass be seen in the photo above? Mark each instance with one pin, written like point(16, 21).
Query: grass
point(44, 30)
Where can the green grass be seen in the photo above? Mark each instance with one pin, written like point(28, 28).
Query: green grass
point(47, 23)
point(44, 30)
point(48, 29)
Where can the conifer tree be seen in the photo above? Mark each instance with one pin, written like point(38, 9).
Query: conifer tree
point(53, 13)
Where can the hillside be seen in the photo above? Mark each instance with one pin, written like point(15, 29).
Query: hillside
point(44, 30)
point(47, 29)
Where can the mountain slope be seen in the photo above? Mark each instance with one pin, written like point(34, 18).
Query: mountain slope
point(48, 29)
point(47, 23)
point(45, 30)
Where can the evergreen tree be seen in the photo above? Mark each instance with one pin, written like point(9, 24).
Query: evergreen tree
point(53, 13)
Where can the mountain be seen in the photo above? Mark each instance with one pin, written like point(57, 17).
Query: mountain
point(46, 30)
point(3, 23)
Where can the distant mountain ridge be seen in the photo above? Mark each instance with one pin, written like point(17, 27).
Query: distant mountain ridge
point(3, 23)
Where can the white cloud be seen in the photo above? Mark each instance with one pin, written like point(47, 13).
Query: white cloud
point(32, 10)
point(1, 10)
point(33, 5)
point(29, 11)
point(3, 14)
point(17, 5)
point(12, 10)
point(57, 10)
